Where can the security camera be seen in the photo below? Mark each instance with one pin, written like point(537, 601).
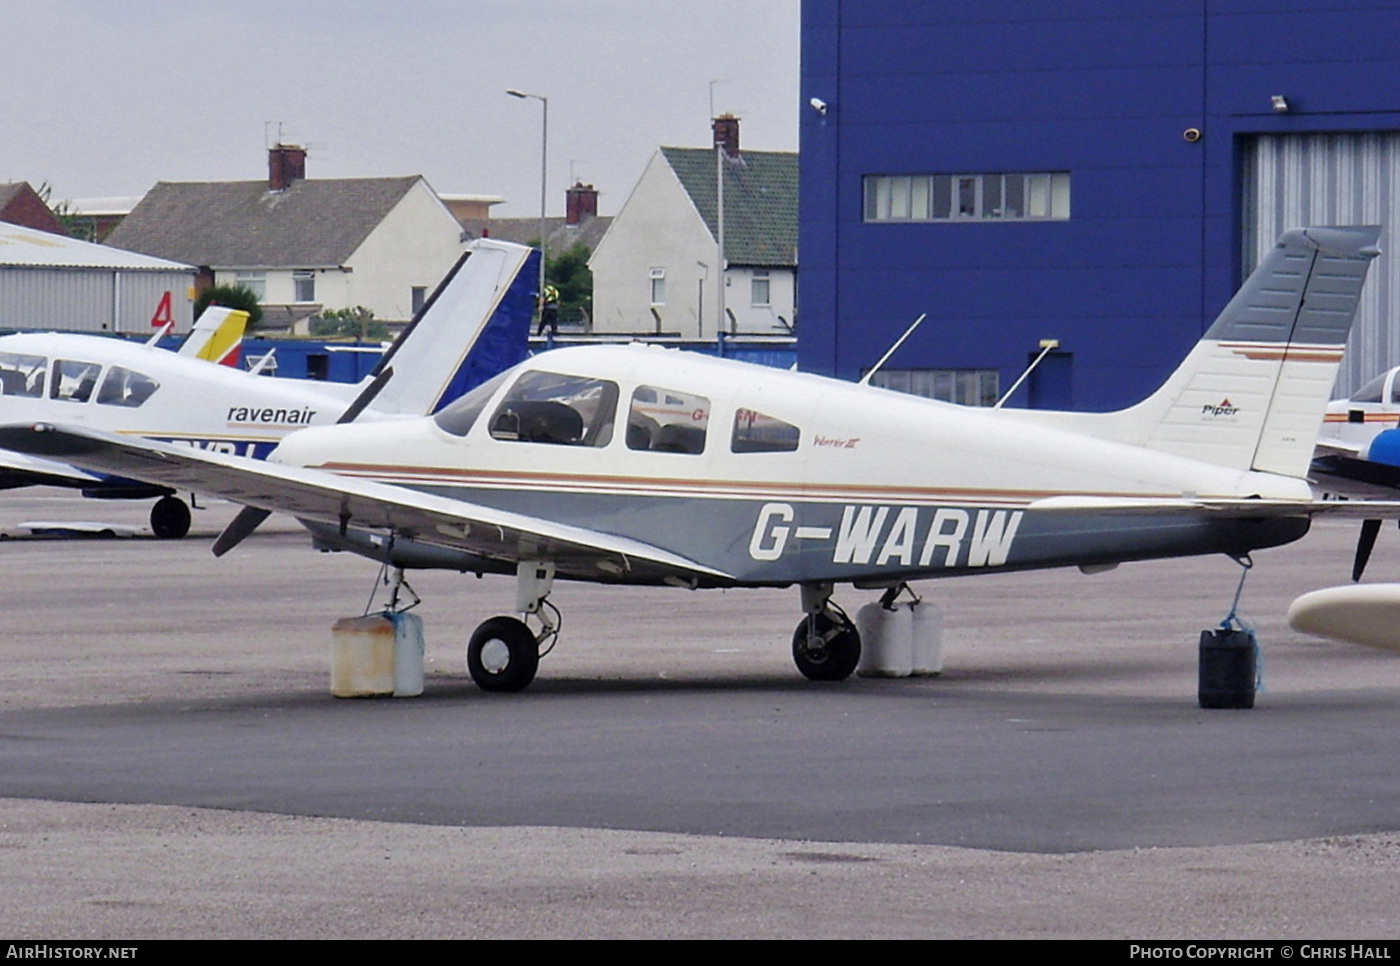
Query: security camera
point(818, 105)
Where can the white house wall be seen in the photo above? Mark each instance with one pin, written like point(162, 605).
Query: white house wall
point(659, 228)
point(414, 246)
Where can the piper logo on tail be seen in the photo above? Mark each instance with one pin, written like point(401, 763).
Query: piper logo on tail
point(895, 536)
point(1223, 408)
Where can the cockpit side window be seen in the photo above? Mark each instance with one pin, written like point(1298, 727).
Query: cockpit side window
point(125, 387)
point(22, 375)
point(666, 421)
point(459, 416)
point(1371, 392)
point(548, 407)
point(74, 380)
point(756, 433)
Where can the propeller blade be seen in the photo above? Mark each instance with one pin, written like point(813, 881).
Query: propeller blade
point(1370, 529)
point(249, 519)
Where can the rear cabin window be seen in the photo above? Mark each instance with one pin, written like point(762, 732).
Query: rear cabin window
point(666, 421)
point(73, 380)
point(125, 387)
point(22, 375)
point(756, 433)
point(548, 407)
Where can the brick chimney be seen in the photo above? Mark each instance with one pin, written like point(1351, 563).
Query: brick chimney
point(285, 163)
point(580, 203)
point(726, 128)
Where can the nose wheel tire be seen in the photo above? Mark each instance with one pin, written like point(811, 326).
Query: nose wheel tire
point(503, 655)
point(170, 518)
point(825, 649)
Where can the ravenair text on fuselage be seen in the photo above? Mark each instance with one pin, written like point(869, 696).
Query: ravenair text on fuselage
point(644, 465)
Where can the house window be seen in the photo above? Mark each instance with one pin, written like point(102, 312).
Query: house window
point(967, 387)
point(658, 286)
point(256, 282)
point(304, 285)
point(1027, 196)
point(760, 291)
point(420, 297)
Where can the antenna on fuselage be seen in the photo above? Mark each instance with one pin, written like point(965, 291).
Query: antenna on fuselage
point(1046, 347)
point(865, 379)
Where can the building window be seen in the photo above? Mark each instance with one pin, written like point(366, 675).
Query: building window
point(967, 387)
point(658, 286)
point(420, 298)
point(1032, 196)
point(304, 285)
point(256, 282)
point(760, 290)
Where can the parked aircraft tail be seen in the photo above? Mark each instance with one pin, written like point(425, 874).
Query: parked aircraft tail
point(1252, 393)
point(217, 336)
point(476, 324)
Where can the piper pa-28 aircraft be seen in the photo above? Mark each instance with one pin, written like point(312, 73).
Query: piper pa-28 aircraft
point(475, 324)
point(645, 465)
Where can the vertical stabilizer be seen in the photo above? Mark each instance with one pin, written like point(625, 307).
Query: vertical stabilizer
point(475, 325)
point(1252, 393)
point(217, 336)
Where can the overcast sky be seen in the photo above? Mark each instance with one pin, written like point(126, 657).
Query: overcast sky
point(107, 98)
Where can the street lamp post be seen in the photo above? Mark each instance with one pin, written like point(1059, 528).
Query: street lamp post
point(544, 176)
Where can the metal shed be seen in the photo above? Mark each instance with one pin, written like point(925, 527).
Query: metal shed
point(52, 282)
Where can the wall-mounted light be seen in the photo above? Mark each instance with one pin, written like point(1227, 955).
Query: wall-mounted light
point(818, 105)
point(1280, 103)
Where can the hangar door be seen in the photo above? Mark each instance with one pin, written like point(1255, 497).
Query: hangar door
point(1298, 180)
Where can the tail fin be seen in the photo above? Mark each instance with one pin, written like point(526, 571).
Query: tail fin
point(1252, 393)
point(217, 336)
point(476, 324)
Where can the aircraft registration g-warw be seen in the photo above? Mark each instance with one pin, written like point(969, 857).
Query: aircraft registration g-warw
point(474, 325)
point(644, 465)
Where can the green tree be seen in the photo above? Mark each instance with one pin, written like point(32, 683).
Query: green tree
point(358, 322)
point(230, 297)
point(568, 272)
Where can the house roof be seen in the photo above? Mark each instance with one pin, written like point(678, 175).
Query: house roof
point(241, 224)
point(20, 204)
point(559, 235)
point(760, 201)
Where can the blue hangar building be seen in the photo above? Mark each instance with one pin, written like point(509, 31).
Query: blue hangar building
point(1096, 173)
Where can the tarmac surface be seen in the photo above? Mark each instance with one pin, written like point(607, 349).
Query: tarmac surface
point(172, 765)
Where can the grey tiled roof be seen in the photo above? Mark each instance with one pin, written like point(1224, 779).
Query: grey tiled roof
point(760, 201)
point(235, 224)
point(559, 235)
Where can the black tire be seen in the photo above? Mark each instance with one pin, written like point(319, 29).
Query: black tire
point(170, 518)
point(834, 653)
point(503, 655)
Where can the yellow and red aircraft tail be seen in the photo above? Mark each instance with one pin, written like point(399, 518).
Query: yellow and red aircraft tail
point(217, 336)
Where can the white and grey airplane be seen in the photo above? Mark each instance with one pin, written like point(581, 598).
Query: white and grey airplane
point(644, 465)
point(475, 324)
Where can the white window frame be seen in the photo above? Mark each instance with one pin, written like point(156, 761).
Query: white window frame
point(657, 277)
point(761, 288)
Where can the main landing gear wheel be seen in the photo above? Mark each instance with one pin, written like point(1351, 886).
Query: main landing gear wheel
point(503, 655)
point(170, 518)
point(825, 649)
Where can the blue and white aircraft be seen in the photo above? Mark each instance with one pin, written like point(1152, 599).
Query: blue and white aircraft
point(644, 465)
point(475, 325)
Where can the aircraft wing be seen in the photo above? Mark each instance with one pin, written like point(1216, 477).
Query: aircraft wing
point(309, 494)
point(16, 469)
